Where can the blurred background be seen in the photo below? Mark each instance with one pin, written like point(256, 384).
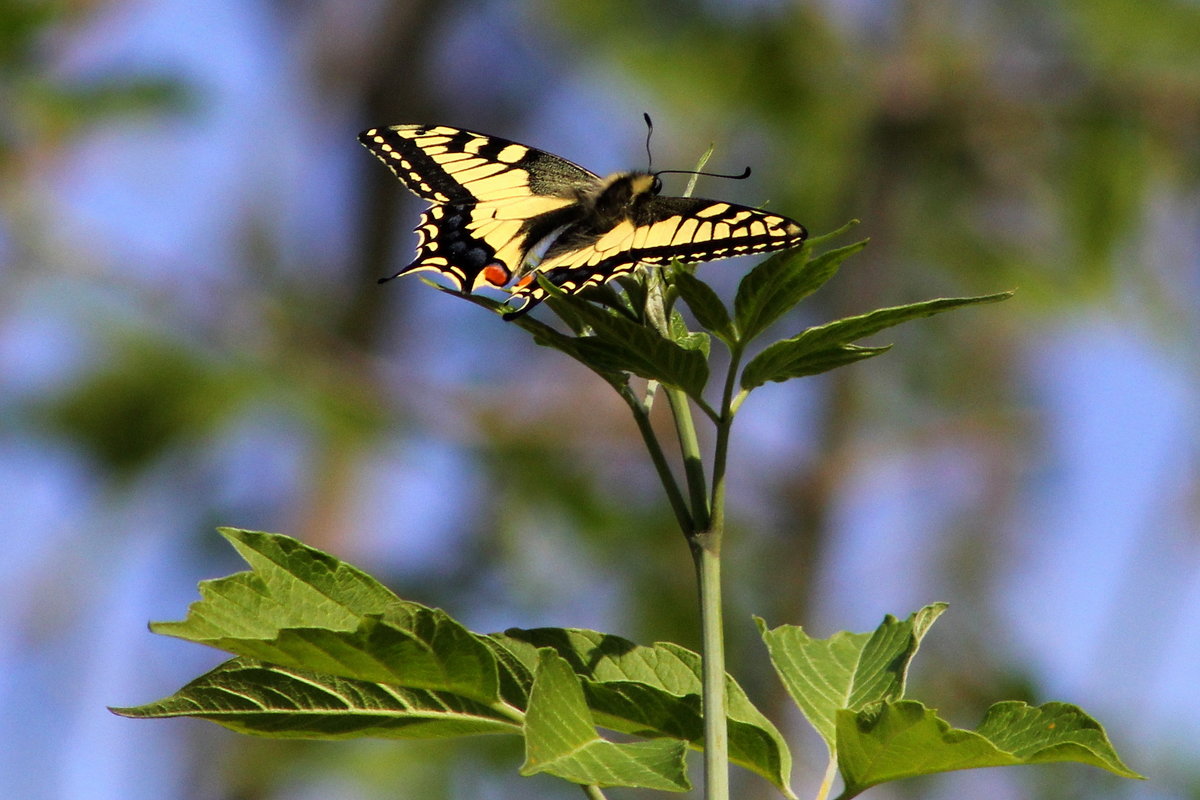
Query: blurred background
point(191, 335)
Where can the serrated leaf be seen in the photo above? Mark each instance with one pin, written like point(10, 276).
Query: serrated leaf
point(1051, 732)
point(561, 739)
point(705, 305)
point(888, 741)
point(799, 355)
point(773, 287)
point(655, 691)
point(847, 670)
point(254, 697)
point(779, 362)
point(303, 608)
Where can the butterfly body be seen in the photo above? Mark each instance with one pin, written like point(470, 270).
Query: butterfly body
point(494, 203)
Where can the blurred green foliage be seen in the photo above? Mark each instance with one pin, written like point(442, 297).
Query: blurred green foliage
point(985, 147)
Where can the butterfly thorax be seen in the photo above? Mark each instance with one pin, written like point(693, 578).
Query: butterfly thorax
point(615, 200)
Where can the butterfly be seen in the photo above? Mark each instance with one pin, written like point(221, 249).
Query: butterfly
point(494, 204)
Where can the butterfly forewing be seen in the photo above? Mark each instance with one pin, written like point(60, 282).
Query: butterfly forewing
point(492, 199)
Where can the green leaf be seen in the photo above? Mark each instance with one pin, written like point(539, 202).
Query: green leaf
point(851, 688)
point(609, 369)
point(646, 354)
point(705, 305)
point(779, 362)
point(635, 287)
point(893, 740)
point(561, 739)
point(779, 283)
point(255, 697)
point(847, 670)
point(688, 339)
point(655, 692)
point(821, 347)
point(303, 608)
point(621, 345)
point(516, 676)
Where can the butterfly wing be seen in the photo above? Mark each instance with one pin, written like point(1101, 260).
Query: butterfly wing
point(658, 230)
point(491, 199)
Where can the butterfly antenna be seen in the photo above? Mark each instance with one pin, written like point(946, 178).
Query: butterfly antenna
point(650, 160)
point(745, 173)
point(649, 132)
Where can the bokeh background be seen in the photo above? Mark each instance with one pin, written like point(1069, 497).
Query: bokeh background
point(191, 335)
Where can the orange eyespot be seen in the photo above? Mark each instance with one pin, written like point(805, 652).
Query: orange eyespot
point(528, 279)
point(496, 274)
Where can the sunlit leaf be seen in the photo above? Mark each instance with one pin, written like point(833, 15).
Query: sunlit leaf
point(655, 691)
point(826, 346)
point(622, 345)
point(889, 741)
point(773, 287)
point(303, 608)
point(255, 697)
point(689, 339)
point(561, 739)
point(847, 670)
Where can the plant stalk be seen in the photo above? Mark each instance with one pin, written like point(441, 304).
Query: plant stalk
point(706, 551)
point(659, 459)
point(705, 544)
point(693, 464)
point(704, 534)
point(592, 791)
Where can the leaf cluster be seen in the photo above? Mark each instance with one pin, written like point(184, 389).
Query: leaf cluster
point(325, 651)
point(616, 336)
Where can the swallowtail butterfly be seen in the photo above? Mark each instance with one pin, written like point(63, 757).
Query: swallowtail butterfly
point(494, 202)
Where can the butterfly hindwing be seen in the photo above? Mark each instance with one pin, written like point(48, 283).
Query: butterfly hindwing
point(491, 199)
point(659, 230)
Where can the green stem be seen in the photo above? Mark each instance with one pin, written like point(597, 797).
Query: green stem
point(704, 532)
point(693, 465)
point(724, 427)
point(592, 791)
point(706, 551)
point(705, 544)
point(666, 477)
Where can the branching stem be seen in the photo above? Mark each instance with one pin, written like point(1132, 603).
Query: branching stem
point(702, 522)
point(642, 416)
